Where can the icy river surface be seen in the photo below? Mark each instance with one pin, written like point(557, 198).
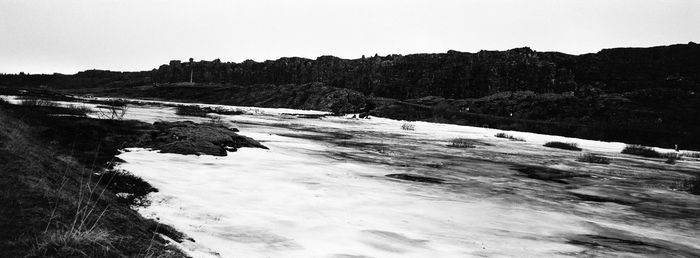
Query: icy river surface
point(322, 190)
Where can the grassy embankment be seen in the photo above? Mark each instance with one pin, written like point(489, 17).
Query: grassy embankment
point(58, 194)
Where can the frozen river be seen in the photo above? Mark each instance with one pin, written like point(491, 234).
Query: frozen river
point(321, 190)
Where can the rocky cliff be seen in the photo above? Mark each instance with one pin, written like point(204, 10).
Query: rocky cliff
point(463, 75)
point(637, 95)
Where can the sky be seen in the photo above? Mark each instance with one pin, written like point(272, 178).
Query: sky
point(67, 36)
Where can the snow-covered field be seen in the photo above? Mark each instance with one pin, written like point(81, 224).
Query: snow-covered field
point(321, 191)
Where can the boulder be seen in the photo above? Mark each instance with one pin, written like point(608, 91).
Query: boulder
point(191, 138)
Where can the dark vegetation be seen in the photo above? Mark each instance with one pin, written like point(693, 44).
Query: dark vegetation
point(190, 138)
point(130, 189)
point(640, 150)
point(548, 174)
point(563, 145)
point(671, 160)
point(509, 137)
point(191, 111)
point(638, 95)
point(417, 178)
point(462, 143)
point(691, 185)
point(34, 102)
point(408, 127)
point(194, 110)
point(592, 158)
point(53, 203)
point(60, 196)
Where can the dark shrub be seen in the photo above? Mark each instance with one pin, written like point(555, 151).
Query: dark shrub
point(193, 110)
point(80, 109)
point(408, 127)
point(509, 137)
point(462, 143)
point(640, 150)
point(691, 185)
point(38, 103)
point(691, 154)
point(129, 188)
point(563, 145)
point(671, 161)
point(592, 158)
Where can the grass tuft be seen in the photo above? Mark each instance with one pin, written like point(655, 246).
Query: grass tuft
point(71, 243)
point(194, 110)
point(191, 110)
point(462, 143)
point(38, 103)
point(592, 158)
point(690, 185)
point(80, 109)
point(509, 137)
point(691, 154)
point(130, 189)
point(408, 127)
point(563, 145)
point(640, 150)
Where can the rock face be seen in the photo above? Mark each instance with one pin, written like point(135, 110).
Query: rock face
point(316, 96)
point(190, 138)
point(463, 75)
point(453, 75)
point(637, 95)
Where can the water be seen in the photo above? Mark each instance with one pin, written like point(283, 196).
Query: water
point(321, 191)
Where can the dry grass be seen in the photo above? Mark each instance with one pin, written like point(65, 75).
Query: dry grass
point(691, 154)
point(116, 112)
point(509, 137)
point(408, 127)
point(38, 103)
point(462, 143)
point(80, 108)
point(73, 243)
point(194, 110)
point(690, 185)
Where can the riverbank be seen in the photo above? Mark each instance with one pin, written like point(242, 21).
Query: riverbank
point(61, 195)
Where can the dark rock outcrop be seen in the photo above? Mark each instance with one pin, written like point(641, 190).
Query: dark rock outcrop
point(647, 96)
point(190, 138)
point(315, 96)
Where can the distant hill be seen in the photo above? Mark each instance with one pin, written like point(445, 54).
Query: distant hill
point(450, 75)
point(639, 95)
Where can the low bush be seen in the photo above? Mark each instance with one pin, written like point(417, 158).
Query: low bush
point(592, 158)
point(408, 127)
point(640, 150)
point(671, 160)
point(191, 110)
point(509, 137)
point(130, 189)
point(111, 112)
point(80, 109)
point(73, 243)
point(691, 185)
point(462, 143)
point(224, 111)
point(691, 154)
point(194, 110)
point(38, 103)
point(563, 145)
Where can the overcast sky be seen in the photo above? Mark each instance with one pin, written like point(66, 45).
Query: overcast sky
point(46, 36)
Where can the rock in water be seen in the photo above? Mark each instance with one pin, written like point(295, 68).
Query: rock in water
point(191, 138)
